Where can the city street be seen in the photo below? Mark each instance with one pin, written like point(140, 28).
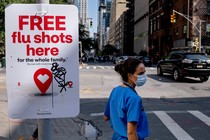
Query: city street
point(58, 59)
point(176, 110)
point(171, 106)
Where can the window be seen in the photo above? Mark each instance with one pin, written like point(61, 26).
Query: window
point(169, 56)
point(176, 31)
point(151, 27)
point(158, 23)
point(184, 29)
point(159, 4)
point(151, 9)
point(208, 7)
point(173, 56)
point(185, 9)
point(176, 56)
point(154, 26)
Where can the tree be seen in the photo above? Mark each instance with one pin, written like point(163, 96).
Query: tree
point(2, 13)
point(87, 42)
point(143, 53)
point(83, 34)
point(109, 50)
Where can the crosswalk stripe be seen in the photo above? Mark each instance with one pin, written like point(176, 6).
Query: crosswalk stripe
point(175, 129)
point(96, 67)
point(201, 116)
point(97, 114)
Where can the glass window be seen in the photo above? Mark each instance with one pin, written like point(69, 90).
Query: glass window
point(176, 31)
point(196, 56)
point(173, 56)
point(208, 7)
point(185, 9)
point(184, 29)
point(176, 56)
point(169, 56)
point(158, 23)
point(151, 27)
point(154, 26)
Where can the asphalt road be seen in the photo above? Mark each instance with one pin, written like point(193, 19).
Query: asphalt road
point(176, 110)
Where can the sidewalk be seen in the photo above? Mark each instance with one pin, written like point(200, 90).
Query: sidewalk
point(62, 129)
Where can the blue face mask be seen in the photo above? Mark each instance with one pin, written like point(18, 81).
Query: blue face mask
point(141, 80)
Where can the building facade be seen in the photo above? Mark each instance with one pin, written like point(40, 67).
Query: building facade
point(201, 9)
point(74, 2)
point(160, 34)
point(104, 21)
point(165, 36)
point(107, 24)
point(141, 26)
point(128, 47)
point(117, 8)
point(119, 33)
point(83, 13)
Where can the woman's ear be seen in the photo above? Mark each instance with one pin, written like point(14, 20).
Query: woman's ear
point(129, 75)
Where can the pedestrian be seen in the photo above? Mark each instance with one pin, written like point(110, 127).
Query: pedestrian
point(34, 136)
point(124, 108)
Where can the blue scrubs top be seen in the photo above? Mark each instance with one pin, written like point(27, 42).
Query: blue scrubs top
point(125, 105)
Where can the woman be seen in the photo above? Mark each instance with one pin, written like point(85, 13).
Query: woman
point(124, 108)
point(34, 136)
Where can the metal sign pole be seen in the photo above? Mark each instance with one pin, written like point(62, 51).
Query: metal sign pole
point(44, 129)
point(44, 125)
point(43, 1)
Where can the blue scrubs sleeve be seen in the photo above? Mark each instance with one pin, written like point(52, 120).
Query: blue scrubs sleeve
point(133, 109)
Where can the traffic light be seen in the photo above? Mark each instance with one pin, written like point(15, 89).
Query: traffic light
point(91, 24)
point(196, 42)
point(173, 18)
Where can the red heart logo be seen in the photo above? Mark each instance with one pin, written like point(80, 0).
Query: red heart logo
point(43, 79)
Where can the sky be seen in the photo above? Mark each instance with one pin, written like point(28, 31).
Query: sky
point(92, 13)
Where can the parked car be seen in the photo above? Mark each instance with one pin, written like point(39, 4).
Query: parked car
point(181, 64)
point(120, 59)
point(113, 59)
point(145, 60)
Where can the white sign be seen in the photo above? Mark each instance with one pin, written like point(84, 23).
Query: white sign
point(42, 61)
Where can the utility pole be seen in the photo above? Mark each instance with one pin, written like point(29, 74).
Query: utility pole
point(198, 29)
point(200, 33)
point(188, 23)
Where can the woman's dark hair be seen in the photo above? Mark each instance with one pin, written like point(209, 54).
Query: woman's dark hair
point(127, 66)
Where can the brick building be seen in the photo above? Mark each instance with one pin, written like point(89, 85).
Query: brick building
point(165, 36)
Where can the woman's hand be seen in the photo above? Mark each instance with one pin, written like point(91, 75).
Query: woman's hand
point(106, 118)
